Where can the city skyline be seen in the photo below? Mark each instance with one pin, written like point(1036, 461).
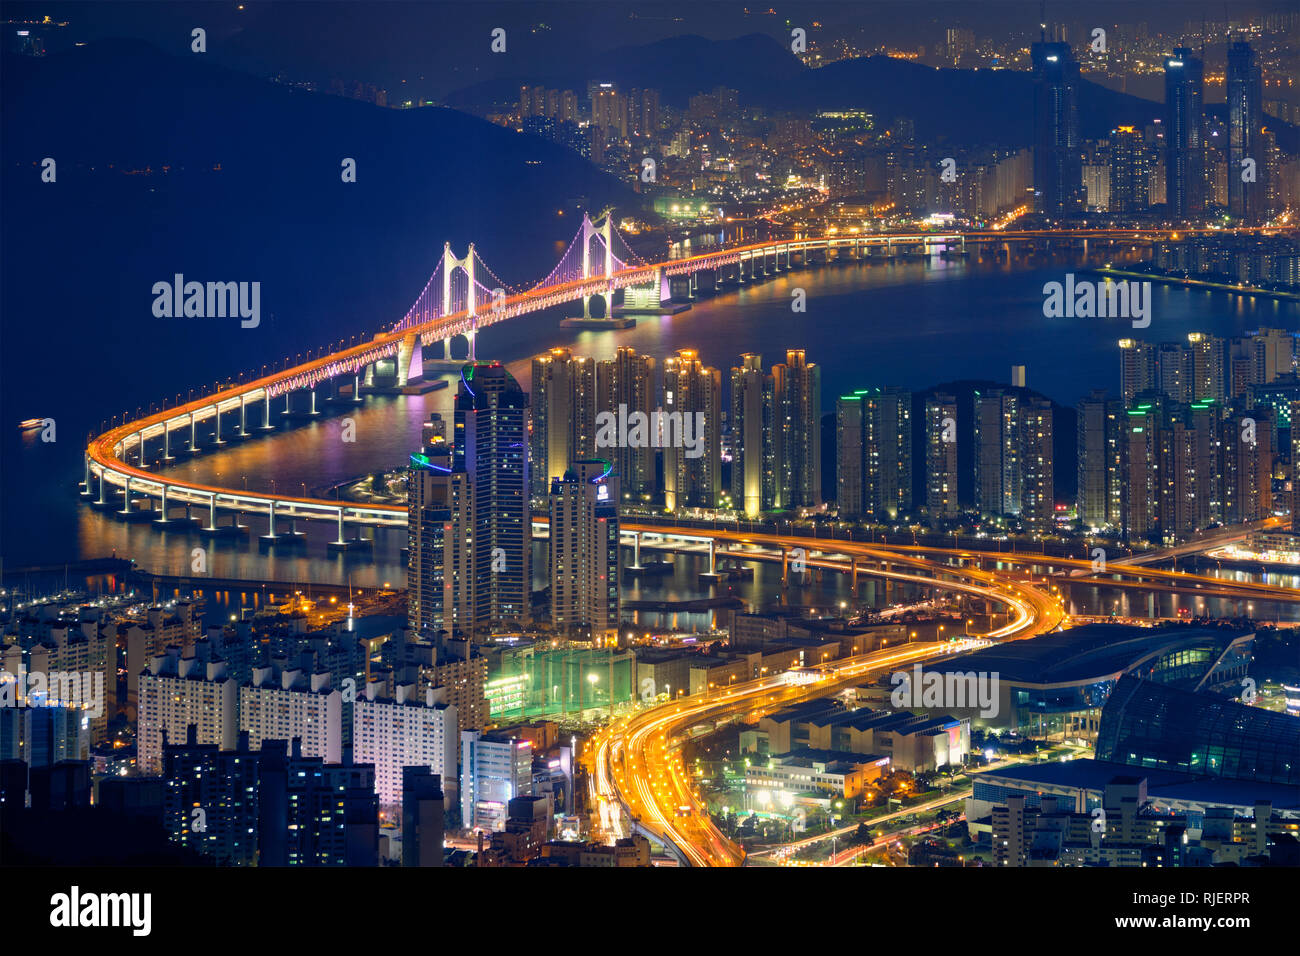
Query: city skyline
point(651, 437)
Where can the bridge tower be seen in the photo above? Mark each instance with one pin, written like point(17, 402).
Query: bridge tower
point(449, 264)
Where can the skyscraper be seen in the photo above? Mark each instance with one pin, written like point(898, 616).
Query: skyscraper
point(1038, 494)
point(627, 380)
point(751, 436)
point(1208, 379)
point(564, 406)
point(692, 456)
point(874, 453)
point(584, 549)
point(1137, 368)
point(1100, 461)
point(796, 431)
point(1184, 135)
point(999, 450)
point(941, 456)
point(1247, 170)
point(491, 446)
point(1058, 148)
point(440, 538)
point(1175, 369)
point(1130, 171)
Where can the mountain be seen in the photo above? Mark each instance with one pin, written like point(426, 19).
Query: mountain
point(961, 106)
point(172, 165)
point(678, 67)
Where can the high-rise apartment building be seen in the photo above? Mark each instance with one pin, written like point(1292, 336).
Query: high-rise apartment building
point(1137, 368)
point(1038, 492)
point(691, 432)
point(1100, 461)
point(406, 730)
point(178, 693)
point(796, 431)
point(752, 466)
point(584, 548)
point(627, 381)
point(440, 537)
point(491, 445)
point(563, 404)
point(999, 451)
point(941, 456)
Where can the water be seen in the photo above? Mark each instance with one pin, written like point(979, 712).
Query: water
point(907, 323)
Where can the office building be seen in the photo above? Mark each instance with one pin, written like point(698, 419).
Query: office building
point(1184, 135)
point(495, 769)
point(1058, 147)
point(1247, 200)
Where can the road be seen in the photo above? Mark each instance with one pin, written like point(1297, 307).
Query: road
point(636, 764)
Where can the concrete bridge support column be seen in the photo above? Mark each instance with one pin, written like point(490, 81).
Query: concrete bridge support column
point(217, 409)
point(194, 433)
point(853, 576)
point(212, 513)
point(266, 413)
point(167, 443)
point(103, 487)
point(270, 528)
point(356, 387)
point(126, 497)
point(243, 416)
point(405, 350)
point(313, 400)
point(636, 551)
point(341, 540)
point(162, 506)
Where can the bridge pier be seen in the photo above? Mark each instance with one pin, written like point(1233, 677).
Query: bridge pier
point(405, 351)
point(266, 413)
point(270, 528)
point(126, 497)
point(218, 440)
point(243, 416)
point(167, 443)
point(712, 573)
point(162, 507)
